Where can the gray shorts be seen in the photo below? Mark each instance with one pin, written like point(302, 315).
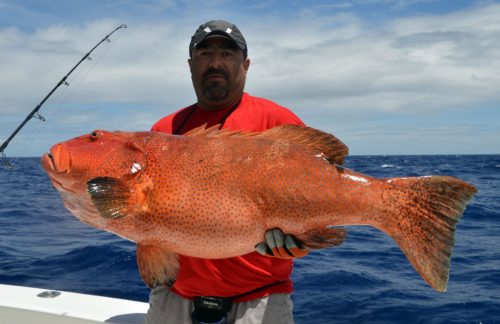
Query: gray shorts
point(166, 307)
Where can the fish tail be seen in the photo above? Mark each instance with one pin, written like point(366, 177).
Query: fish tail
point(422, 214)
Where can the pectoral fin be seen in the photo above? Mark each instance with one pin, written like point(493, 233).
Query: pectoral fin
point(157, 266)
point(110, 196)
point(114, 198)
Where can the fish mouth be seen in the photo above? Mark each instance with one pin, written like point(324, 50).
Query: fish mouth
point(54, 173)
point(48, 162)
point(57, 160)
point(56, 163)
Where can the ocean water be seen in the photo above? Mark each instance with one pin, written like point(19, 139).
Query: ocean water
point(365, 280)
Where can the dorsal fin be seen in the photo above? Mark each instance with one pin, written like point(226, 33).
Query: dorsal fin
point(315, 140)
point(202, 131)
point(319, 142)
point(214, 131)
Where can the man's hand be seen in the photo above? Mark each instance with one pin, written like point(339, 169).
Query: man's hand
point(281, 246)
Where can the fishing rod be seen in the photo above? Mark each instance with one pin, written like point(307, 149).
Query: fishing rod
point(34, 113)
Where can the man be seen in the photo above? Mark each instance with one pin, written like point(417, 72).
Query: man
point(254, 288)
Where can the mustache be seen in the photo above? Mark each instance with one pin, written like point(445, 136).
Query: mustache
point(211, 71)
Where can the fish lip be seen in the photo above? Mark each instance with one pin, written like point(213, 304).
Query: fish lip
point(48, 162)
point(48, 165)
point(51, 159)
point(58, 157)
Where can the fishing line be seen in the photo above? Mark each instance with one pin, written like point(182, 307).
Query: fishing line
point(35, 114)
point(63, 96)
point(58, 101)
point(80, 76)
point(54, 108)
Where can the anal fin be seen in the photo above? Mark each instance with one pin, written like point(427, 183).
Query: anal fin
point(157, 266)
point(320, 238)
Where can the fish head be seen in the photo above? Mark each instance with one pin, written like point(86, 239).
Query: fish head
point(88, 171)
point(71, 164)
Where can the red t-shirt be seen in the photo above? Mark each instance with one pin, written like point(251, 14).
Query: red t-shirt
point(244, 277)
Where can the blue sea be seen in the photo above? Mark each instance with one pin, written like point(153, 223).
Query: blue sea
point(365, 280)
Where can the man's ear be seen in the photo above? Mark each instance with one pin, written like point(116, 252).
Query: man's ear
point(246, 64)
point(190, 62)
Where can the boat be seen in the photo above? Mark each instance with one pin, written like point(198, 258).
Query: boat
point(20, 305)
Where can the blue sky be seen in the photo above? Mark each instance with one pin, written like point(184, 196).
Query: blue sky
point(385, 76)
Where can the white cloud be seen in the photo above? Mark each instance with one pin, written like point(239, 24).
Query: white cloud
point(409, 58)
point(331, 70)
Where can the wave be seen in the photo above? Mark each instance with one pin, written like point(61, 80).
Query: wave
point(366, 279)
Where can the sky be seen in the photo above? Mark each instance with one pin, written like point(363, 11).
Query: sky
point(385, 76)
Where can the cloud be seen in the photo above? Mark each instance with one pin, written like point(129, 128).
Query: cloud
point(335, 69)
point(395, 68)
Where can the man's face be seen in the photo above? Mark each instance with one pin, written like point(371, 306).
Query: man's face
point(218, 71)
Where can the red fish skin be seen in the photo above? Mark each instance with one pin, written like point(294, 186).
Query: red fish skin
point(193, 194)
point(199, 207)
point(234, 193)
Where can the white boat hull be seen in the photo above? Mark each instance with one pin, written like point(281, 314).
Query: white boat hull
point(19, 305)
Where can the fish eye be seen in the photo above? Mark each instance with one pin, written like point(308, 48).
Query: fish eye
point(94, 135)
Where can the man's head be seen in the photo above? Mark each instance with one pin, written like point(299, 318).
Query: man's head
point(218, 63)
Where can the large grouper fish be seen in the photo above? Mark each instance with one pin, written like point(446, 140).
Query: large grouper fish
point(214, 193)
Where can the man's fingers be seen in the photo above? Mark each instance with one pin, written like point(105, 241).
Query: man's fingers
point(293, 249)
point(279, 245)
point(284, 246)
point(273, 245)
point(263, 249)
point(276, 242)
point(275, 238)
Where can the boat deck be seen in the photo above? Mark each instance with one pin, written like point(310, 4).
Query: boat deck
point(19, 305)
